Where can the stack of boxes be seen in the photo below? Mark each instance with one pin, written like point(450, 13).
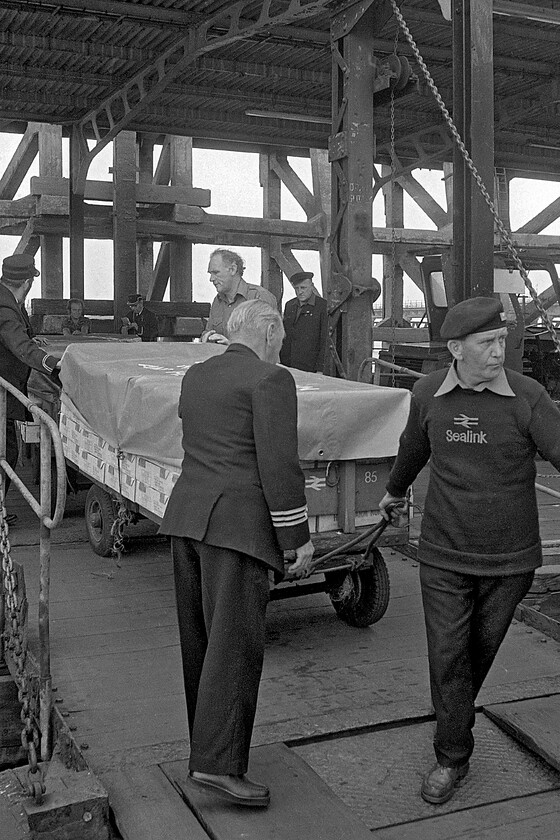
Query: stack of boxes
point(138, 479)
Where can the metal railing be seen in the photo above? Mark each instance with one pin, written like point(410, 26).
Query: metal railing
point(13, 642)
point(381, 363)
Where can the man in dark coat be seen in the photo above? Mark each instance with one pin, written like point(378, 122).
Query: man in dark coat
point(306, 326)
point(139, 321)
point(238, 504)
point(18, 351)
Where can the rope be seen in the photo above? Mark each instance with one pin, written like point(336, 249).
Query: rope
point(504, 233)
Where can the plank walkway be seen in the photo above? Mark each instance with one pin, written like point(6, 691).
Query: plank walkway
point(116, 665)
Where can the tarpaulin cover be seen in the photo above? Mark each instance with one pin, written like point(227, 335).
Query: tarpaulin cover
point(129, 394)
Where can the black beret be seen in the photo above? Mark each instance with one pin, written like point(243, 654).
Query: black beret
point(473, 316)
point(19, 267)
point(300, 276)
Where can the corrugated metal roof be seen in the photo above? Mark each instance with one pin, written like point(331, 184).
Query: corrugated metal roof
point(61, 60)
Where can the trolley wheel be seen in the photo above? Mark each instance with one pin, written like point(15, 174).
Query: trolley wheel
point(100, 514)
point(361, 598)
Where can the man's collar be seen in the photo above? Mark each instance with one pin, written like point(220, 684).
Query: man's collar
point(10, 290)
point(240, 288)
point(499, 385)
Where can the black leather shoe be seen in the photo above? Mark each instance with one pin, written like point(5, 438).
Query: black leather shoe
point(440, 783)
point(237, 789)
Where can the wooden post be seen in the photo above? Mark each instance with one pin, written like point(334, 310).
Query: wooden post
point(145, 245)
point(124, 220)
point(180, 250)
point(321, 176)
point(352, 151)
point(77, 213)
point(272, 276)
point(50, 166)
point(473, 113)
point(393, 292)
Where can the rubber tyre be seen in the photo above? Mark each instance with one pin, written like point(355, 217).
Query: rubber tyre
point(361, 598)
point(99, 512)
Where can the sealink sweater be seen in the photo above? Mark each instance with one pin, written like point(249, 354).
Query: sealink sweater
point(480, 514)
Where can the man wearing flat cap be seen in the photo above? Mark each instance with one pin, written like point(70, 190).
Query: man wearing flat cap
point(480, 425)
point(306, 326)
point(18, 351)
point(139, 321)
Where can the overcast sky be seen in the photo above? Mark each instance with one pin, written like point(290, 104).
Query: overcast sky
point(233, 179)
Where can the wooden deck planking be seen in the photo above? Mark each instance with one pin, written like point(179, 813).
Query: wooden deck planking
point(116, 662)
point(534, 817)
point(535, 723)
point(302, 806)
point(147, 806)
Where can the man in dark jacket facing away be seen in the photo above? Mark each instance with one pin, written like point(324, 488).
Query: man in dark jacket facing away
point(306, 325)
point(18, 351)
point(481, 426)
point(238, 504)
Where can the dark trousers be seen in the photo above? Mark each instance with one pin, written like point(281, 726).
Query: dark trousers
point(222, 597)
point(467, 618)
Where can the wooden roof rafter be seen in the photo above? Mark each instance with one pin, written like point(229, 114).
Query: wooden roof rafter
point(119, 109)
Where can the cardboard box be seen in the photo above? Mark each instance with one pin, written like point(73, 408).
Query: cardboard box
point(92, 466)
point(119, 481)
point(151, 499)
point(127, 464)
point(69, 426)
point(155, 475)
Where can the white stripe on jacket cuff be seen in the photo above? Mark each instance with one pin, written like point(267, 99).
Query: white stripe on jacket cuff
point(289, 518)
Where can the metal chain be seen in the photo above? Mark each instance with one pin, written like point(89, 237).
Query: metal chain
point(504, 233)
point(14, 641)
point(124, 518)
point(393, 232)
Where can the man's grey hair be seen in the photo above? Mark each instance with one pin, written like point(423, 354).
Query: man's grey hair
point(230, 258)
point(251, 319)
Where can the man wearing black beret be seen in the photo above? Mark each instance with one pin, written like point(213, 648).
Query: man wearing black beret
point(480, 425)
point(306, 326)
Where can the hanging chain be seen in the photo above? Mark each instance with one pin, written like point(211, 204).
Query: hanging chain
point(13, 634)
point(504, 233)
point(124, 517)
point(393, 232)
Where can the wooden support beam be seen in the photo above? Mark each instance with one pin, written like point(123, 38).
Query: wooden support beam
point(144, 245)
point(291, 180)
point(161, 274)
point(410, 263)
point(284, 258)
point(271, 268)
point(546, 217)
point(473, 113)
point(321, 176)
point(50, 166)
point(76, 212)
point(180, 250)
point(393, 293)
point(124, 220)
point(144, 193)
point(424, 200)
point(21, 160)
